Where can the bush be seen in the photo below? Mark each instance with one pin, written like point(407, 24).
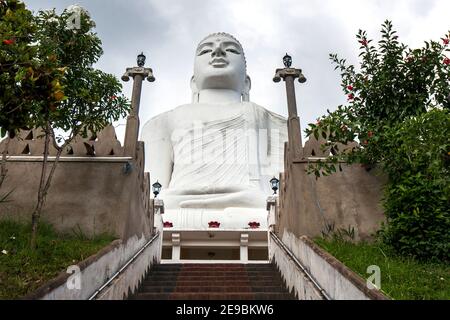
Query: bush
point(417, 196)
point(398, 110)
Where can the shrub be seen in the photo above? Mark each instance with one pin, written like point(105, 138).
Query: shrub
point(398, 102)
point(417, 196)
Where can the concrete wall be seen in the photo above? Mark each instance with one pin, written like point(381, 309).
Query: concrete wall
point(351, 198)
point(338, 281)
point(94, 194)
point(295, 280)
point(97, 269)
point(131, 278)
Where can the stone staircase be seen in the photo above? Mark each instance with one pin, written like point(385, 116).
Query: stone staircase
point(213, 282)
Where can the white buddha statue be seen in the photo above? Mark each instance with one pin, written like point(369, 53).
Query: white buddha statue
point(215, 156)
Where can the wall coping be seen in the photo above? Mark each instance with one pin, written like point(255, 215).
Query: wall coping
point(346, 272)
point(62, 277)
point(67, 159)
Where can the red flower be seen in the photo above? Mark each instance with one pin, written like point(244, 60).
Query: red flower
point(365, 142)
point(113, 98)
point(364, 42)
point(350, 88)
point(409, 59)
point(168, 224)
point(8, 41)
point(447, 61)
point(214, 224)
point(370, 134)
point(446, 41)
point(254, 225)
point(351, 96)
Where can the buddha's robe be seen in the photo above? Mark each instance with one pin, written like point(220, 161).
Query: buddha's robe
point(220, 163)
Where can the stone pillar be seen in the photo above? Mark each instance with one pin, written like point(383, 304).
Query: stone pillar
point(271, 212)
point(244, 247)
point(176, 247)
point(158, 205)
point(157, 211)
point(132, 128)
point(289, 74)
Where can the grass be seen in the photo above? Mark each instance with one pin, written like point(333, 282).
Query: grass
point(23, 270)
point(402, 278)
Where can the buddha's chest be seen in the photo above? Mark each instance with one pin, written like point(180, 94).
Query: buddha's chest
point(200, 115)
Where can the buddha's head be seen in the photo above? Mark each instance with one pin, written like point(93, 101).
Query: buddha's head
point(220, 64)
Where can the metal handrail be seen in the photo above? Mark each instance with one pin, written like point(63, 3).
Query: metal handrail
point(115, 275)
point(299, 265)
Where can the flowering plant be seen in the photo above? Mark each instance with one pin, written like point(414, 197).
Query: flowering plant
point(398, 110)
point(254, 225)
point(168, 224)
point(214, 224)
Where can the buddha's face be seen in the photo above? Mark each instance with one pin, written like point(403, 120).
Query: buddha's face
point(219, 64)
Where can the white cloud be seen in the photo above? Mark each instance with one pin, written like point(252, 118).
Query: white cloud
point(168, 32)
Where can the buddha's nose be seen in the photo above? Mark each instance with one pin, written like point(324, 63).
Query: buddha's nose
point(218, 51)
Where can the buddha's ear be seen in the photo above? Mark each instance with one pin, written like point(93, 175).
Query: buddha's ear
point(247, 87)
point(194, 89)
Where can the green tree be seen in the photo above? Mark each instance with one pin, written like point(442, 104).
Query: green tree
point(20, 72)
point(390, 96)
point(24, 78)
point(83, 100)
point(47, 80)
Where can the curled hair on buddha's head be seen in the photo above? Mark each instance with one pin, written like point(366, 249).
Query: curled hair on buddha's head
point(228, 36)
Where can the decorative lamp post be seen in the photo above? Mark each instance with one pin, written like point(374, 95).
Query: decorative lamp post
point(287, 61)
point(156, 188)
point(132, 130)
point(288, 74)
point(274, 183)
point(141, 60)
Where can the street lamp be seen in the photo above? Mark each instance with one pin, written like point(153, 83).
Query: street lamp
point(156, 188)
point(288, 74)
point(141, 60)
point(287, 60)
point(274, 182)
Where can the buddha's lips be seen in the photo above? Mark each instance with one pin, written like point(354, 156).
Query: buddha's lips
point(218, 62)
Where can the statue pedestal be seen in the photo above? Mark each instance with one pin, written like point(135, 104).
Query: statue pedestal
point(215, 236)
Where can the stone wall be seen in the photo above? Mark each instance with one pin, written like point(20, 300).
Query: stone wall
point(96, 270)
point(95, 188)
point(343, 200)
point(336, 280)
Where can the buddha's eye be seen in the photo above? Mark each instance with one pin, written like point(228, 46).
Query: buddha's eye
point(232, 50)
point(204, 51)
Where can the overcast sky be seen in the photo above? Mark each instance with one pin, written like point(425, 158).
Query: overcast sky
point(168, 31)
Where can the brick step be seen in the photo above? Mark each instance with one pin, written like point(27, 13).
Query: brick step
point(212, 278)
point(235, 283)
point(212, 273)
point(213, 267)
point(213, 296)
point(215, 270)
point(213, 281)
point(217, 289)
